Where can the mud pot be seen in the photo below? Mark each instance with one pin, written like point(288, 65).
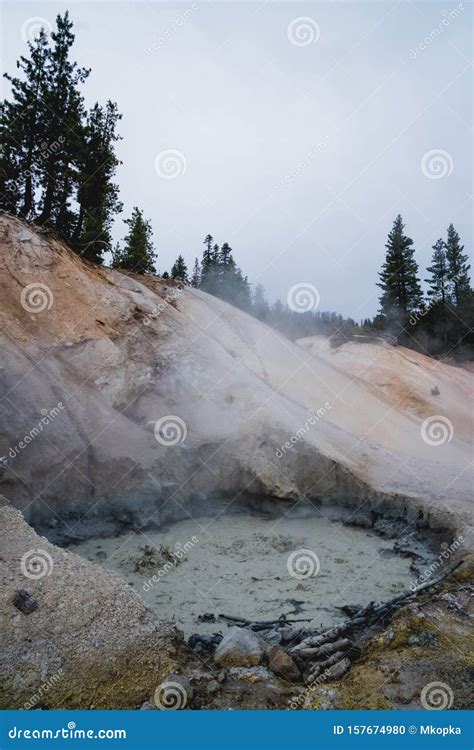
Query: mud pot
point(256, 562)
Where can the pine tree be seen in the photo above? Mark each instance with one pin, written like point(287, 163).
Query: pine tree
point(399, 276)
point(196, 277)
point(207, 255)
point(209, 266)
point(97, 194)
point(439, 280)
point(24, 126)
point(260, 306)
point(225, 254)
point(138, 254)
point(458, 267)
point(180, 270)
point(65, 105)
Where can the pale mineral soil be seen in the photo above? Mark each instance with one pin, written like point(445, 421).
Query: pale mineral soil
point(238, 566)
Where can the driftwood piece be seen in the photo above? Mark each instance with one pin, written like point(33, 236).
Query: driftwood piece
point(262, 624)
point(322, 651)
point(321, 667)
point(367, 616)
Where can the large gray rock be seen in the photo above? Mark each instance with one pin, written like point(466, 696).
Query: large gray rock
point(78, 636)
point(239, 648)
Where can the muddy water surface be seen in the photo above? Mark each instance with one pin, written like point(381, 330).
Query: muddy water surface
point(253, 566)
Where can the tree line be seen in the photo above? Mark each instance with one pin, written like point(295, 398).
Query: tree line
point(58, 165)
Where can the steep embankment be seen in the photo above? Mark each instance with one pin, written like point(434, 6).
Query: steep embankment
point(92, 358)
point(119, 352)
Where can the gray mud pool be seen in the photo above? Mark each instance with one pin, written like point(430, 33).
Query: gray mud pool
point(254, 566)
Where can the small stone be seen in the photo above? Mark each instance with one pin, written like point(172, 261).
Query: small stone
point(25, 601)
point(250, 674)
point(239, 648)
point(213, 686)
point(272, 637)
point(281, 664)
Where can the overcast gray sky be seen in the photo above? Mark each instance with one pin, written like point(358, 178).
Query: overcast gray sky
point(298, 140)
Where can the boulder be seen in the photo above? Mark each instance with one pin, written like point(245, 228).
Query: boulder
point(239, 648)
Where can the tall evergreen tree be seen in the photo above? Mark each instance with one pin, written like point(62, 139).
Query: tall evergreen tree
point(24, 126)
point(65, 105)
point(458, 267)
point(260, 306)
point(401, 291)
point(180, 269)
point(97, 193)
point(196, 277)
point(138, 254)
point(209, 270)
point(225, 254)
point(439, 279)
